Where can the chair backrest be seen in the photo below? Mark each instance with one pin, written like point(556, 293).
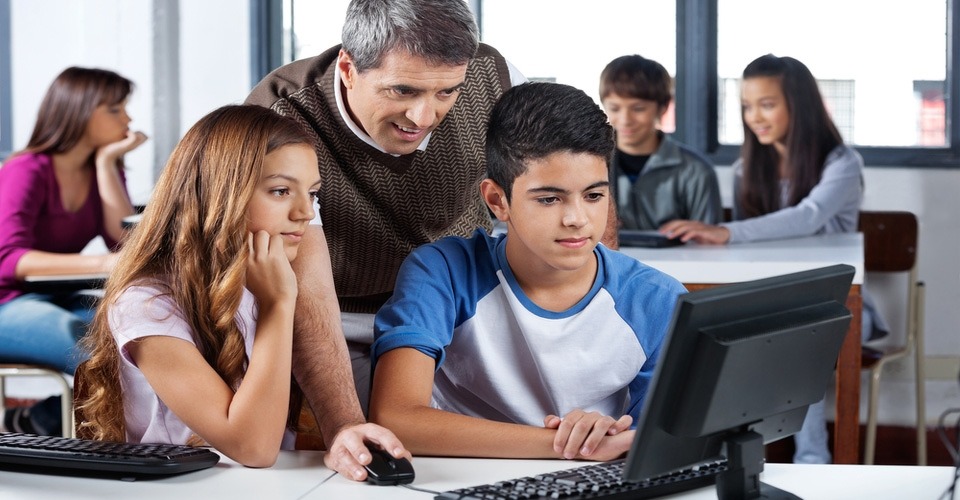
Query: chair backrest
point(889, 241)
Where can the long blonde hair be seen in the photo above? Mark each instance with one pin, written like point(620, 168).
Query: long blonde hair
point(191, 241)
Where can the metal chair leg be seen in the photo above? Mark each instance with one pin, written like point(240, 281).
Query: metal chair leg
point(66, 397)
point(870, 445)
point(919, 354)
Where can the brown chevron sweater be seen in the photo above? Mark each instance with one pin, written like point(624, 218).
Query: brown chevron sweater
point(377, 208)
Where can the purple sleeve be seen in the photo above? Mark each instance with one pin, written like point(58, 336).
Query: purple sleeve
point(21, 195)
point(111, 243)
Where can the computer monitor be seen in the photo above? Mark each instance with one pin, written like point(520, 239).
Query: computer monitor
point(740, 366)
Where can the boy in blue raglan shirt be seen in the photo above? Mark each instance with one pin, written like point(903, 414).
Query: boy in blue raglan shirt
point(539, 343)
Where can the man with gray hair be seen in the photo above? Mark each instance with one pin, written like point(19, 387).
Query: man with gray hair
point(399, 114)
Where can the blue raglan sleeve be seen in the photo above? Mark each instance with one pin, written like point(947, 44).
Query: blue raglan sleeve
point(437, 289)
point(422, 312)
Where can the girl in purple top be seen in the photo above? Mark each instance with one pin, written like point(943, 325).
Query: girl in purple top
point(64, 189)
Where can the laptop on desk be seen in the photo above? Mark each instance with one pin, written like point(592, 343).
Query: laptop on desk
point(646, 239)
point(64, 282)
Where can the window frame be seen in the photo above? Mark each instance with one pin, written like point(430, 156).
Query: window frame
point(697, 89)
point(266, 38)
point(696, 82)
point(6, 78)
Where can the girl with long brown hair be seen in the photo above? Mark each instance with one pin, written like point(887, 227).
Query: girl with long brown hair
point(192, 342)
point(56, 195)
point(795, 177)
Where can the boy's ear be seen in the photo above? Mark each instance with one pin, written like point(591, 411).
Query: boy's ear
point(495, 198)
point(663, 109)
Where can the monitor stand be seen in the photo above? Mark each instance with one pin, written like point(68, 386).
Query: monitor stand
point(744, 465)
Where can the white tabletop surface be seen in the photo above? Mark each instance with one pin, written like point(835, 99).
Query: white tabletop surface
point(715, 264)
point(301, 475)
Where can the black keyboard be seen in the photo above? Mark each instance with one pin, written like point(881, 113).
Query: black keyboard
point(59, 455)
point(604, 480)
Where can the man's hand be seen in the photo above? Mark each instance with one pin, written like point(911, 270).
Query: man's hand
point(580, 433)
point(349, 452)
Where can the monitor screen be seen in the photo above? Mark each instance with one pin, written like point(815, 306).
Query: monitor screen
point(738, 369)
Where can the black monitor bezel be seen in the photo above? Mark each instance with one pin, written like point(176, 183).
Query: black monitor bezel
point(656, 450)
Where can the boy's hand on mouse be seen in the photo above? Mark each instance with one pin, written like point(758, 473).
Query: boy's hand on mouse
point(579, 433)
point(270, 277)
point(349, 453)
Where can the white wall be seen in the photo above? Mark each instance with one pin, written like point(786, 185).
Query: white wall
point(214, 56)
point(49, 35)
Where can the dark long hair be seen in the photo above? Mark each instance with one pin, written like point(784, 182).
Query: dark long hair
point(810, 138)
point(69, 103)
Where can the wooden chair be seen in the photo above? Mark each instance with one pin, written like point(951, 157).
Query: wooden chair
point(890, 246)
point(28, 370)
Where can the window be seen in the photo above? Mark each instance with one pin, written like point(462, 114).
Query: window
point(839, 96)
point(885, 73)
point(571, 41)
point(315, 25)
point(931, 111)
point(880, 52)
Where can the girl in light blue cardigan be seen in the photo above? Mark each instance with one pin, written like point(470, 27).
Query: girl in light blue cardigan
point(795, 177)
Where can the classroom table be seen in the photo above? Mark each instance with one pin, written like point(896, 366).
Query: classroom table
point(301, 475)
point(703, 266)
point(64, 282)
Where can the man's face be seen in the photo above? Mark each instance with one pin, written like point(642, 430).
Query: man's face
point(401, 101)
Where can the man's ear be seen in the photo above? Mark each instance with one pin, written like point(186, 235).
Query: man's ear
point(348, 71)
point(496, 199)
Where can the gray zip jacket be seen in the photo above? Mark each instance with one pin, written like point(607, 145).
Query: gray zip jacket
point(676, 183)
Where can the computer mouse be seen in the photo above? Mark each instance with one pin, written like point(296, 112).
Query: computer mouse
point(384, 469)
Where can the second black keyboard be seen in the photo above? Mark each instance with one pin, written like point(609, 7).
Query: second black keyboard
point(50, 454)
point(596, 481)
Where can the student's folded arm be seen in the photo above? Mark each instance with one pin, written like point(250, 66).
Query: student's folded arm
point(39, 263)
point(840, 182)
point(246, 426)
point(400, 401)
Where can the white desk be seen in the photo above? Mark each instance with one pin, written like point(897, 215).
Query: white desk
point(64, 282)
point(704, 266)
point(721, 264)
point(295, 475)
point(301, 475)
